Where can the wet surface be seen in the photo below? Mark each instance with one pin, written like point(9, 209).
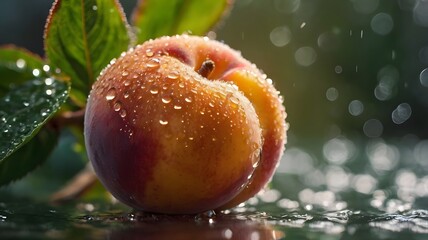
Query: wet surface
point(87, 221)
point(274, 214)
point(337, 189)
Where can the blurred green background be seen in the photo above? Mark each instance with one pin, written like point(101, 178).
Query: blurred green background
point(353, 74)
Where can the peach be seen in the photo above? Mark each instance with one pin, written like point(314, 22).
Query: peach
point(184, 125)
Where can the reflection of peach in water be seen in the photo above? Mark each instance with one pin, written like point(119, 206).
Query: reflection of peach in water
point(210, 228)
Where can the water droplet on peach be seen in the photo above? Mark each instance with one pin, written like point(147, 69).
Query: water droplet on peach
point(234, 100)
point(173, 75)
point(154, 91)
point(111, 94)
point(122, 113)
point(149, 52)
point(125, 73)
point(188, 99)
point(163, 122)
point(166, 99)
point(177, 107)
point(153, 63)
point(117, 106)
point(181, 84)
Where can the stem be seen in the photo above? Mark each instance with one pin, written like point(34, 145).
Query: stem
point(206, 68)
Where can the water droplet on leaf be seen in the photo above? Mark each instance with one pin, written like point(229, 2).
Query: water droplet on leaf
point(20, 63)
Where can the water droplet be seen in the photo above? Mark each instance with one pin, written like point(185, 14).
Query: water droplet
point(173, 75)
point(46, 68)
point(211, 104)
point(163, 122)
point(181, 84)
point(44, 112)
point(122, 113)
point(49, 92)
point(20, 63)
point(188, 99)
point(125, 73)
point(111, 94)
point(149, 53)
point(153, 63)
point(177, 107)
point(48, 81)
point(36, 72)
point(191, 138)
point(126, 95)
point(166, 99)
point(214, 139)
point(154, 91)
point(127, 82)
point(117, 106)
point(22, 128)
point(234, 100)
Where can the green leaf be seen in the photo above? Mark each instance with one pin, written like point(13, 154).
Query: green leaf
point(82, 37)
point(17, 66)
point(28, 157)
point(155, 18)
point(23, 112)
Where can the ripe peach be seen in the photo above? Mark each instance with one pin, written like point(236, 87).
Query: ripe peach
point(183, 125)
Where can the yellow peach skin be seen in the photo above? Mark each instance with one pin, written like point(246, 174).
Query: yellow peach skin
point(184, 125)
